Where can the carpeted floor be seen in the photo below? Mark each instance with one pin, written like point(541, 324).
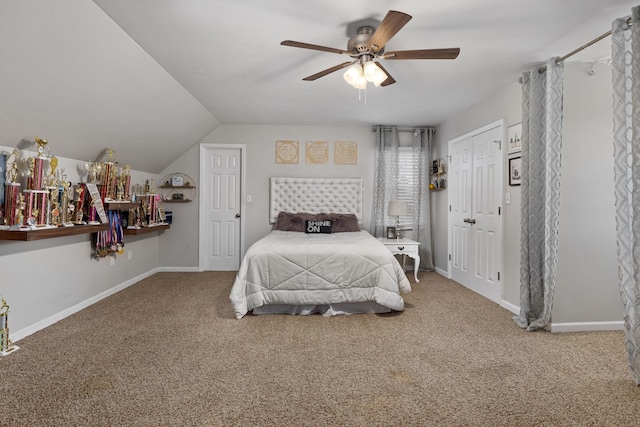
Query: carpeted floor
point(168, 351)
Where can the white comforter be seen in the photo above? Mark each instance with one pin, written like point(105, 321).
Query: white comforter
point(295, 268)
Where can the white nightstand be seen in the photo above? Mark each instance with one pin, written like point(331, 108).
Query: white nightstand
point(404, 247)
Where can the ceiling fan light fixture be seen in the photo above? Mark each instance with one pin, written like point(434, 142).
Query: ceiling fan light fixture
point(352, 74)
point(370, 70)
point(361, 83)
point(379, 77)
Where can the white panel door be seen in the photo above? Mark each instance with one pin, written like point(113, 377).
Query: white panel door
point(222, 174)
point(476, 226)
point(460, 186)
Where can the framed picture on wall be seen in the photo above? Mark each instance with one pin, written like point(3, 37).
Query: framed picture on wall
point(514, 138)
point(515, 171)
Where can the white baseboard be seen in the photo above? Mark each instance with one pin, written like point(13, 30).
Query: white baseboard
point(511, 307)
point(25, 332)
point(442, 272)
point(178, 269)
point(587, 326)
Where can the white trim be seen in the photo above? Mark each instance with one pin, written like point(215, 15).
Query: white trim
point(178, 269)
point(511, 307)
point(201, 214)
point(587, 326)
point(443, 273)
point(25, 332)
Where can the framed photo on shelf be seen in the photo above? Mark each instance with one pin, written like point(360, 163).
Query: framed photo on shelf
point(177, 181)
point(391, 233)
point(515, 171)
point(162, 214)
point(514, 138)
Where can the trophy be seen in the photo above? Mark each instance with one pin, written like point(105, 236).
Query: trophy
point(12, 190)
point(6, 346)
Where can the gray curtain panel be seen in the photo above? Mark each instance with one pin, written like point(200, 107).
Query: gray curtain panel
point(422, 140)
point(541, 148)
point(626, 117)
point(385, 185)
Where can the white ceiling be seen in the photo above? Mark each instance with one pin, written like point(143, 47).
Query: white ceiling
point(228, 53)
point(151, 78)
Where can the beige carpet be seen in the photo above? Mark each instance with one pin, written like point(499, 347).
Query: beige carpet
point(168, 351)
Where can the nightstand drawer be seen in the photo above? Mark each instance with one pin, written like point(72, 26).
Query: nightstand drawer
point(400, 248)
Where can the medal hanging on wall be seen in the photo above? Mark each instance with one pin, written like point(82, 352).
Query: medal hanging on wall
point(118, 233)
point(112, 232)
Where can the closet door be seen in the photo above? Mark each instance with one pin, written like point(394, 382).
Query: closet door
point(475, 212)
point(460, 185)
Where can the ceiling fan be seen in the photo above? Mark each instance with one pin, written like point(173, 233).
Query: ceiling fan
point(368, 45)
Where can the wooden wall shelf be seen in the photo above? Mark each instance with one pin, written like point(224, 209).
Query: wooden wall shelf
point(177, 188)
point(46, 233)
point(144, 230)
point(120, 206)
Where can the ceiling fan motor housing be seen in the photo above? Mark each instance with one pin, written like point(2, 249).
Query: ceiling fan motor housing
point(358, 43)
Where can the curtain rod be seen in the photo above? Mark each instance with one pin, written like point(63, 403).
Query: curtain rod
point(581, 48)
point(398, 129)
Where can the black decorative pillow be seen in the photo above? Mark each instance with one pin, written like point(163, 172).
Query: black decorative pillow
point(340, 223)
point(315, 226)
point(288, 221)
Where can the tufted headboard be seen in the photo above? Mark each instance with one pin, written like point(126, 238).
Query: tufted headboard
point(315, 195)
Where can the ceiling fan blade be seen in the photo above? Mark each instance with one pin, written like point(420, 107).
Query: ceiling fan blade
point(390, 80)
point(328, 71)
point(313, 47)
point(451, 53)
point(390, 25)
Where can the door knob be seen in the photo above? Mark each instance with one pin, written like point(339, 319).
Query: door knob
point(472, 221)
point(237, 215)
point(465, 220)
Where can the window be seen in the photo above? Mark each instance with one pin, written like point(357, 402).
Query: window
point(407, 177)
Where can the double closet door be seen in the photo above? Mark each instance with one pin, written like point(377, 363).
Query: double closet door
point(475, 221)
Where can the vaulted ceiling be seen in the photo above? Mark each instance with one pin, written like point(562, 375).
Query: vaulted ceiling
point(151, 78)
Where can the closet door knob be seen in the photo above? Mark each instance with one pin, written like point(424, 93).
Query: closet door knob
point(237, 215)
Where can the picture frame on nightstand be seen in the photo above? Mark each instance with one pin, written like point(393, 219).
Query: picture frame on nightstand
point(391, 233)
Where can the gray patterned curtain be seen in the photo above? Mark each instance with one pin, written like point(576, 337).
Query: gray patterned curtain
point(541, 147)
point(422, 139)
point(385, 184)
point(626, 117)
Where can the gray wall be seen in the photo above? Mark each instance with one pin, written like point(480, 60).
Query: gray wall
point(587, 281)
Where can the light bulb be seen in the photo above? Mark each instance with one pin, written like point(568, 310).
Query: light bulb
point(379, 77)
point(370, 70)
point(352, 74)
point(361, 82)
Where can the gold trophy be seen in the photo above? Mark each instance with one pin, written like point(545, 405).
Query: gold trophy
point(6, 346)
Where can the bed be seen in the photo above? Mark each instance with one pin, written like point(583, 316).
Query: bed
point(342, 272)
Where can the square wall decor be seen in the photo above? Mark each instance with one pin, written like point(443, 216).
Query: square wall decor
point(287, 152)
point(317, 153)
point(345, 153)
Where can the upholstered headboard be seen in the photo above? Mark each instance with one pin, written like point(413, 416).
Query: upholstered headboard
point(315, 195)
